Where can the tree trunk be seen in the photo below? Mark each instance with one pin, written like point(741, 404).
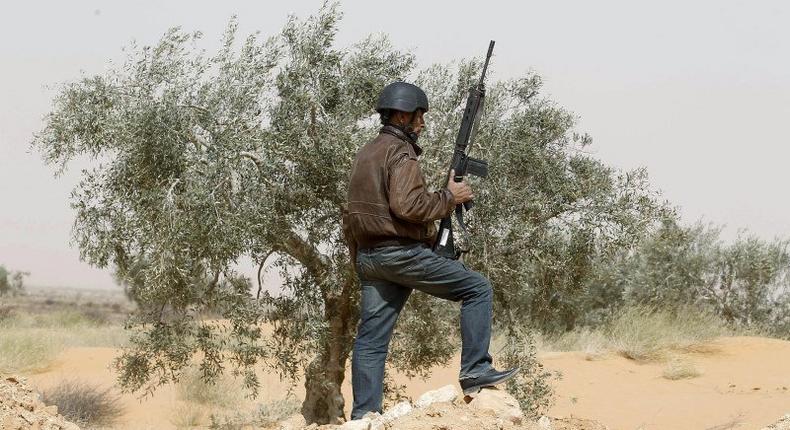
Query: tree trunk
point(323, 403)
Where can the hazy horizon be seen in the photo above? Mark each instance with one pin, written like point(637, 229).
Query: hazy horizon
point(695, 92)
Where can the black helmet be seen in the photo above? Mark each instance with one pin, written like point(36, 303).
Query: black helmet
point(402, 96)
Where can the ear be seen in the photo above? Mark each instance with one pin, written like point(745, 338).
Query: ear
point(398, 118)
point(403, 118)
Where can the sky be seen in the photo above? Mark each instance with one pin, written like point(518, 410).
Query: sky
point(697, 92)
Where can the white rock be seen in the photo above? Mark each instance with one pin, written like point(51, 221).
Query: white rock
point(499, 402)
point(360, 424)
point(371, 416)
point(397, 411)
point(448, 393)
point(544, 423)
point(401, 409)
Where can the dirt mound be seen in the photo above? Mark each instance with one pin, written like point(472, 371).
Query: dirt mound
point(20, 408)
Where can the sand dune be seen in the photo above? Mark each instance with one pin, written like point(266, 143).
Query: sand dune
point(744, 383)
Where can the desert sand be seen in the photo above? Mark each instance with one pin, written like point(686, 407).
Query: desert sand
point(744, 383)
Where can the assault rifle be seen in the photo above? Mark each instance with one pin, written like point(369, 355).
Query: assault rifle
point(464, 165)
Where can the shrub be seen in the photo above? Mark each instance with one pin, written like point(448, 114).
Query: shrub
point(95, 316)
point(187, 416)
point(84, 404)
point(532, 384)
point(591, 341)
point(221, 391)
point(277, 410)
point(646, 334)
point(6, 313)
point(267, 415)
point(680, 369)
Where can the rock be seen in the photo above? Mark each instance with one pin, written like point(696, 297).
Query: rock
point(397, 411)
point(499, 402)
point(294, 422)
point(401, 409)
point(448, 393)
point(21, 408)
point(363, 423)
point(372, 415)
point(544, 423)
point(30, 417)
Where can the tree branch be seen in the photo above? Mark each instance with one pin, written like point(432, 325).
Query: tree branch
point(255, 159)
point(260, 268)
point(304, 253)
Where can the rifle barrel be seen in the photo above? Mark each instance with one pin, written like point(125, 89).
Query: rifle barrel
point(485, 65)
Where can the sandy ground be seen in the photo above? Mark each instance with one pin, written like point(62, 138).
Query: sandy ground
point(744, 384)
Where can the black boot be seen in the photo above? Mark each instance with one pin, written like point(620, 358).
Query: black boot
point(488, 379)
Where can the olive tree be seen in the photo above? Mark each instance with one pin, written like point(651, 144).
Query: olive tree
point(12, 283)
point(203, 161)
point(548, 212)
point(745, 282)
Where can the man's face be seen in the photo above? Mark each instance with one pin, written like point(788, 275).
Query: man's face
point(402, 119)
point(419, 122)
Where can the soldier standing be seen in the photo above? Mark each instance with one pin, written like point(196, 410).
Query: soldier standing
point(389, 226)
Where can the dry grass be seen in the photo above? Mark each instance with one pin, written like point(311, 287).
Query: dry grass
point(222, 392)
point(644, 334)
point(680, 368)
point(592, 342)
point(21, 352)
point(272, 412)
point(84, 404)
point(187, 416)
point(266, 416)
point(31, 342)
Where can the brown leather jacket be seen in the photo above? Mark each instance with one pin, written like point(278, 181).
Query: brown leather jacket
point(387, 197)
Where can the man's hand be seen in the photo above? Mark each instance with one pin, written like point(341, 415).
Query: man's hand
point(462, 192)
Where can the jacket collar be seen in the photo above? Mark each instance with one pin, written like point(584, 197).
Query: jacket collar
point(395, 131)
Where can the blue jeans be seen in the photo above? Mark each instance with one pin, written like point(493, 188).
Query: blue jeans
point(387, 276)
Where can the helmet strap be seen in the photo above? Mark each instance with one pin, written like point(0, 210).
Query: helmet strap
point(408, 129)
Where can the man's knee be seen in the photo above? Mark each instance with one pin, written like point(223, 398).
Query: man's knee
point(482, 288)
point(371, 343)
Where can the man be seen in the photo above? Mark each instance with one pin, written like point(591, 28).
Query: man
point(389, 226)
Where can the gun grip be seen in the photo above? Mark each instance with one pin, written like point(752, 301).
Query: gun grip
point(469, 205)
